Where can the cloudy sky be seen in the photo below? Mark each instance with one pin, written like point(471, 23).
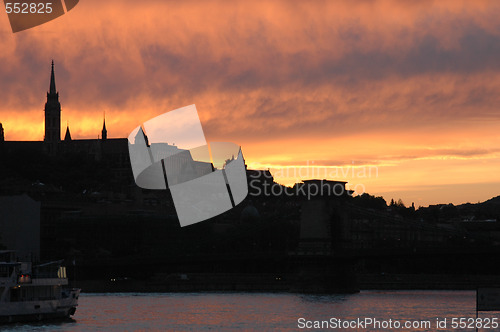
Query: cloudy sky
point(409, 91)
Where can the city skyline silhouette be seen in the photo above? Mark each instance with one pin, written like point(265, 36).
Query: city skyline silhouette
point(417, 101)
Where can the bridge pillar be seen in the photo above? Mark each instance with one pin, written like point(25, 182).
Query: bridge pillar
point(324, 233)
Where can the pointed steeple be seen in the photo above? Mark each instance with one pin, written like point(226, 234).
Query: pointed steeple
point(2, 137)
point(67, 137)
point(52, 90)
point(52, 115)
point(104, 133)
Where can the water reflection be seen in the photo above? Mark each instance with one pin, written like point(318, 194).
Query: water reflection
point(254, 311)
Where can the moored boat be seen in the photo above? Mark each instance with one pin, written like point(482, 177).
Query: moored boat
point(34, 293)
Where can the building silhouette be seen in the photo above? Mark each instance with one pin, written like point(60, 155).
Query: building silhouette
point(113, 151)
point(109, 154)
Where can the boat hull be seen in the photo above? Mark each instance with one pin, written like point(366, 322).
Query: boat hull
point(39, 310)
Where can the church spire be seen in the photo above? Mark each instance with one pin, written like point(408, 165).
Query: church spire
point(52, 90)
point(104, 133)
point(67, 137)
point(52, 116)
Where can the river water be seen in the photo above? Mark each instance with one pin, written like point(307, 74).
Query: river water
point(268, 311)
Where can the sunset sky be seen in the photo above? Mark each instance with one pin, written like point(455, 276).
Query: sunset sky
point(409, 90)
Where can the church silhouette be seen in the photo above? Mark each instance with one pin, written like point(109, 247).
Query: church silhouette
point(114, 151)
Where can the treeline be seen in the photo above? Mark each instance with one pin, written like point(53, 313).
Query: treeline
point(488, 210)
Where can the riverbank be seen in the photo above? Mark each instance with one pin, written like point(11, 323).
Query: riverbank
point(201, 282)
point(385, 281)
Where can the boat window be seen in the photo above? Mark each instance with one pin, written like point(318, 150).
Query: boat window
point(61, 273)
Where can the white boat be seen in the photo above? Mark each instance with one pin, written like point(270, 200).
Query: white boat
point(34, 293)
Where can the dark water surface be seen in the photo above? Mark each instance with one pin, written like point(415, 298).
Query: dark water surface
point(260, 311)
